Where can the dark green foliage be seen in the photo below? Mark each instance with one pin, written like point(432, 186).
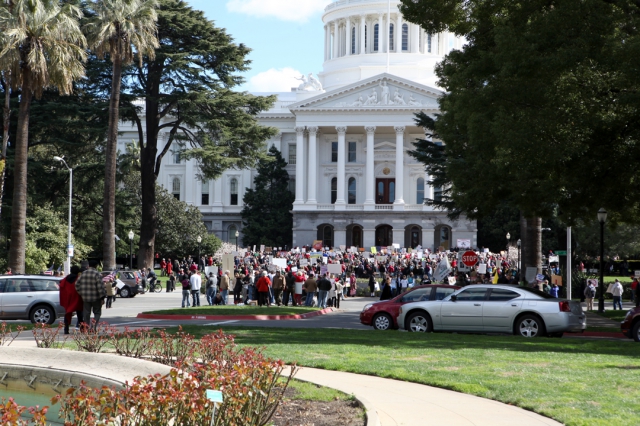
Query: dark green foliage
point(267, 208)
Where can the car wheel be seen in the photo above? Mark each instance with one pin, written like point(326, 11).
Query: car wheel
point(124, 292)
point(382, 322)
point(529, 326)
point(42, 314)
point(419, 322)
point(635, 331)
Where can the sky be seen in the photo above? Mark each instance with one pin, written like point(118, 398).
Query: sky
point(286, 38)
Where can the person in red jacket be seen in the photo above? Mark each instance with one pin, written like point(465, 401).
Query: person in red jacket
point(262, 286)
point(70, 300)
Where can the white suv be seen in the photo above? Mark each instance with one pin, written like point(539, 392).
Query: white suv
point(32, 297)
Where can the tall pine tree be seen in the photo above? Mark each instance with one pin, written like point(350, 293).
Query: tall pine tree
point(267, 208)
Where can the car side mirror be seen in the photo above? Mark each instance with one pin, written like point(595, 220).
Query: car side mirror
point(454, 298)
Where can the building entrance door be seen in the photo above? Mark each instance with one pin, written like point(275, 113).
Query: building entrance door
point(385, 191)
point(384, 236)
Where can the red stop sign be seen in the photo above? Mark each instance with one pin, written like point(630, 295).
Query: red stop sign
point(469, 258)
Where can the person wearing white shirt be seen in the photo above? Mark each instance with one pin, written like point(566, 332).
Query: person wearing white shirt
point(196, 283)
point(617, 291)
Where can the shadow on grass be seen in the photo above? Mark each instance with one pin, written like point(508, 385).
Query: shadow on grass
point(258, 336)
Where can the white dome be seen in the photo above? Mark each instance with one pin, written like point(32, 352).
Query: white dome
point(357, 45)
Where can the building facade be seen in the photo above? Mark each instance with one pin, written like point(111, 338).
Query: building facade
point(346, 138)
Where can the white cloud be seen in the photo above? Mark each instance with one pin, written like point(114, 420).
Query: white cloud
point(274, 80)
point(286, 10)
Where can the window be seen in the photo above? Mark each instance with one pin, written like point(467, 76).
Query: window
point(391, 44)
point(502, 295)
point(442, 292)
point(43, 285)
point(420, 191)
point(232, 235)
point(429, 43)
point(365, 38)
point(334, 152)
point(205, 193)
point(327, 236)
point(351, 196)
point(233, 189)
point(375, 38)
point(405, 37)
point(437, 193)
point(334, 190)
point(471, 294)
point(392, 191)
point(353, 40)
point(292, 153)
point(175, 187)
point(176, 152)
point(418, 295)
point(352, 152)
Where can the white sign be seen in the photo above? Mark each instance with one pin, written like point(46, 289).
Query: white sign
point(261, 247)
point(70, 251)
point(442, 270)
point(554, 259)
point(281, 263)
point(304, 262)
point(334, 268)
point(210, 269)
point(452, 280)
point(227, 263)
point(464, 244)
point(637, 274)
point(482, 268)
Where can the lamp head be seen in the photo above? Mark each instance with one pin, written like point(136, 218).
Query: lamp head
point(131, 235)
point(508, 236)
point(519, 242)
point(199, 239)
point(602, 215)
point(237, 234)
point(57, 158)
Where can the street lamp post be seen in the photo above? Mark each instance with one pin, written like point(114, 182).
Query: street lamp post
point(602, 218)
point(508, 238)
point(131, 250)
point(199, 240)
point(519, 243)
point(237, 235)
point(69, 246)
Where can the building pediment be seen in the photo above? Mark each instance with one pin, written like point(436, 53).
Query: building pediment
point(382, 92)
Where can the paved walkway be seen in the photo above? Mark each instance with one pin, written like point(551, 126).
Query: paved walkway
point(396, 403)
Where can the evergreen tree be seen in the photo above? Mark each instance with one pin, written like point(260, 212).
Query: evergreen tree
point(267, 208)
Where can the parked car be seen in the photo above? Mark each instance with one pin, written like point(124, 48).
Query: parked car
point(383, 315)
point(128, 283)
point(494, 308)
point(32, 297)
point(630, 326)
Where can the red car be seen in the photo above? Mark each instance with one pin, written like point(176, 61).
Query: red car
point(383, 315)
point(630, 326)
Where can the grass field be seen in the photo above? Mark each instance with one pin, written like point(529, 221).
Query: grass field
point(235, 310)
point(575, 381)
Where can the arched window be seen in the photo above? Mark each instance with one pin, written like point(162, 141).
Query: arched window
point(233, 190)
point(327, 236)
point(437, 193)
point(405, 37)
point(420, 191)
point(391, 43)
point(205, 193)
point(334, 190)
point(175, 187)
point(351, 191)
point(232, 235)
point(375, 37)
point(353, 40)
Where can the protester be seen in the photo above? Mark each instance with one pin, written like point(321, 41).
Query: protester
point(278, 284)
point(186, 285)
point(310, 286)
point(224, 287)
point(372, 284)
point(237, 289)
point(91, 289)
point(616, 291)
point(385, 294)
point(70, 300)
point(590, 294)
point(290, 289)
point(299, 283)
point(195, 282)
point(324, 286)
point(111, 295)
point(263, 289)
point(211, 288)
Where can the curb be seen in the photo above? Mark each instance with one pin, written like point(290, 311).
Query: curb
point(237, 317)
point(369, 409)
point(602, 334)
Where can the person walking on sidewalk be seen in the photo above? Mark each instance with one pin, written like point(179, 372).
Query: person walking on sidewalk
point(278, 285)
point(224, 287)
point(91, 289)
point(590, 294)
point(634, 290)
point(617, 291)
point(196, 283)
point(70, 299)
point(186, 284)
point(212, 288)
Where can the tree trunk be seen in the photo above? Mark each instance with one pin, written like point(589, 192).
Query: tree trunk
point(109, 206)
point(6, 120)
point(534, 244)
point(523, 245)
point(19, 206)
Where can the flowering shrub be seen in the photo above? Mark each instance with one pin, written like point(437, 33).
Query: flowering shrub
point(169, 349)
point(95, 338)
point(135, 343)
point(46, 336)
point(10, 414)
point(6, 334)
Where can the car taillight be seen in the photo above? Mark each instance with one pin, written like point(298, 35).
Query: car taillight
point(137, 280)
point(565, 306)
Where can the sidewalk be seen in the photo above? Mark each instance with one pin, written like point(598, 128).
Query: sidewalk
point(236, 317)
point(394, 403)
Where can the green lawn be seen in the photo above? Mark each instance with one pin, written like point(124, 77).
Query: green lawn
point(617, 315)
point(234, 310)
point(575, 381)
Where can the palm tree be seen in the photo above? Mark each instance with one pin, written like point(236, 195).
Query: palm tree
point(118, 27)
point(43, 46)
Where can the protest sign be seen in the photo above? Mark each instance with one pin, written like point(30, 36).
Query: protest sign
point(334, 268)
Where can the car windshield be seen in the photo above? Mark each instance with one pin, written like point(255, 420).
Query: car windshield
point(537, 292)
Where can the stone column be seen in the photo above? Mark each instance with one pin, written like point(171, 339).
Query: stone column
point(415, 37)
point(399, 201)
point(398, 39)
point(380, 33)
point(398, 234)
point(299, 167)
point(217, 193)
point(341, 171)
point(336, 40)
point(387, 31)
point(348, 34)
point(370, 179)
point(363, 24)
point(313, 166)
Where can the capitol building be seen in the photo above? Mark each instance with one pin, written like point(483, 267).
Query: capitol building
point(345, 135)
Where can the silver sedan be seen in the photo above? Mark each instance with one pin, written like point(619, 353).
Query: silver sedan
point(495, 308)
